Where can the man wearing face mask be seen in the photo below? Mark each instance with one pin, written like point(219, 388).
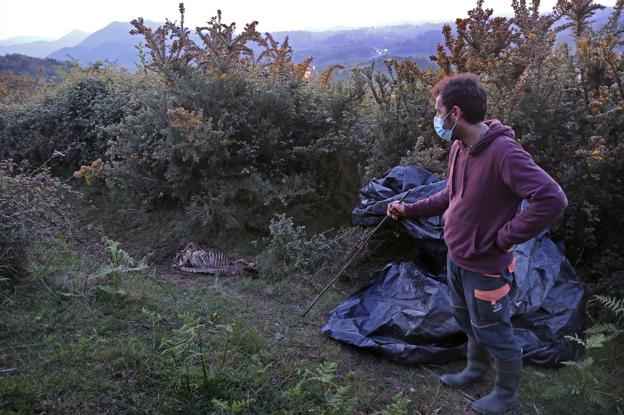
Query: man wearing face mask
point(489, 174)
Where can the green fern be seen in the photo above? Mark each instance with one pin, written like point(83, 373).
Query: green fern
point(602, 333)
point(576, 339)
point(588, 385)
point(182, 346)
point(325, 373)
point(615, 305)
point(321, 386)
point(120, 262)
point(583, 364)
point(593, 392)
point(227, 408)
point(596, 338)
point(116, 255)
point(155, 319)
point(604, 328)
point(399, 405)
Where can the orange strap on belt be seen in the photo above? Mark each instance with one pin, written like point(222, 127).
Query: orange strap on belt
point(492, 295)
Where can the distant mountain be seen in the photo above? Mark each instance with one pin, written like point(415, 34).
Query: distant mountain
point(348, 47)
point(114, 43)
point(602, 16)
point(42, 48)
point(362, 46)
point(18, 40)
point(49, 69)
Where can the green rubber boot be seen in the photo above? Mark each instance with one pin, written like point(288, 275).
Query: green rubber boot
point(503, 396)
point(476, 368)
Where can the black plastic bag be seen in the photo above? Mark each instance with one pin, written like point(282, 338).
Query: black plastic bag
point(378, 193)
point(404, 311)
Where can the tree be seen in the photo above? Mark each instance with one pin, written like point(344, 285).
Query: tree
point(580, 13)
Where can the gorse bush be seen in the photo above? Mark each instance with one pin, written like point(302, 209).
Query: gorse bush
point(223, 129)
point(70, 120)
point(290, 251)
point(565, 106)
point(399, 111)
point(17, 88)
point(227, 126)
point(34, 212)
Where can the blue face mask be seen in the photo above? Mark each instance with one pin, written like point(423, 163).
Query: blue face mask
point(438, 125)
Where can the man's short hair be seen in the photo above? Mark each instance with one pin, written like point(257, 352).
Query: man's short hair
point(465, 91)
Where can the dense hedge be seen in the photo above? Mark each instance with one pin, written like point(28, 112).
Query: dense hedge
point(236, 133)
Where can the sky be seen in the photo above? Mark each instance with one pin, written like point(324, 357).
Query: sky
point(53, 19)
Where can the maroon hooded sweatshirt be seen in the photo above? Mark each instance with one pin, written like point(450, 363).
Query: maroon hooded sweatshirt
point(486, 183)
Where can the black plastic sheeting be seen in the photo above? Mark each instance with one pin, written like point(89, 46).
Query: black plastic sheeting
point(404, 311)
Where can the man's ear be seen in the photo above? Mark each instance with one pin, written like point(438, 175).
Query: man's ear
point(456, 113)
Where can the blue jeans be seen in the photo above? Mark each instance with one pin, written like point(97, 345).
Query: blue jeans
point(481, 307)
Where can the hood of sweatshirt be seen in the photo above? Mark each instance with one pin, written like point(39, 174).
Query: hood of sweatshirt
point(496, 129)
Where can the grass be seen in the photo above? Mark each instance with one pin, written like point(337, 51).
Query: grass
point(94, 337)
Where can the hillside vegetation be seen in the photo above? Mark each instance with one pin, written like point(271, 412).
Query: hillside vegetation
point(227, 141)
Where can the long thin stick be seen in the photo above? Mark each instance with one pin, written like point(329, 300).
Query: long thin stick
point(362, 245)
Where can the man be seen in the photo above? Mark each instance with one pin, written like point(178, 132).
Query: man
point(489, 174)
